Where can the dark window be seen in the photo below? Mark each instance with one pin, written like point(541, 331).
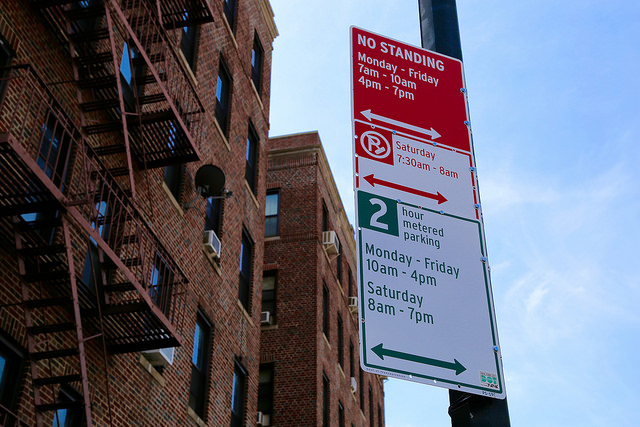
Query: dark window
point(160, 284)
point(200, 365)
point(173, 178)
point(6, 53)
point(326, 401)
point(351, 360)
point(339, 262)
point(188, 44)
point(350, 282)
point(131, 68)
point(340, 414)
point(272, 213)
point(325, 310)
point(379, 416)
point(55, 150)
point(10, 370)
point(340, 343)
point(269, 293)
point(265, 390)
point(325, 217)
point(246, 264)
point(257, 55)
point(213, 215)
point(92, 271)
point(230, 13)
point(371, 421)
point(68, 417)
point(251, 157)
point(223, 97)
point(361, 388)
point(238, 395)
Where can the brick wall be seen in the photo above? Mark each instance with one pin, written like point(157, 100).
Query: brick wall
point(296, 344)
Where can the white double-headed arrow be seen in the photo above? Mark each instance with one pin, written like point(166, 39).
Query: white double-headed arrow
point(431, 132)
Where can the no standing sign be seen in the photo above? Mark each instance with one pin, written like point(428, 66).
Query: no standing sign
point(425, 301)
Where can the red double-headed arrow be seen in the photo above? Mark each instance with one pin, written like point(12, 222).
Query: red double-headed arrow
point(373, 181)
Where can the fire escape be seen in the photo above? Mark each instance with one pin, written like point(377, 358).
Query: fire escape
point(90, 267)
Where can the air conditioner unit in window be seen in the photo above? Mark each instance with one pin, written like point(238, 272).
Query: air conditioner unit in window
point(330, 242)
point(265, 318)
point(263, 419)
point(354, 385)
point(353, 304)
point(160, 356)
point(211, 244)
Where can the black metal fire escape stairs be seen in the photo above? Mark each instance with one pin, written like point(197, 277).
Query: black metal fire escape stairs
point(68, 194)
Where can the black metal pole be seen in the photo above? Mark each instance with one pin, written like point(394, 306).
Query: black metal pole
point(440, 33)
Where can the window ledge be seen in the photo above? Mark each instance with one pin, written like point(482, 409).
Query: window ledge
point(244, 312)
point(269, 328)
point(199, 421)
point(253, 196)
point(326, 340)
point(222, 135)
point(173, 200)
point(151, 370)
point(271, 239)
point(255, 92)
point(229, 30)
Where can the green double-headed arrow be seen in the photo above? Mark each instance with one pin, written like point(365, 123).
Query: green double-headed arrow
point(455, 366)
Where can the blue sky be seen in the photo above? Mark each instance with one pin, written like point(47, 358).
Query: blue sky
point(553, 97)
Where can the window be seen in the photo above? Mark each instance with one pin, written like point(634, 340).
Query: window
point(213, 215)
point(340, 343)
point(326, 401)
point(160, 284)
point(55, 150)
point(188, 45)
point(257, 56)
point(265, 389)
point(379, 416)
point(272, 213)
point(223, 97)
point(371, 407)
point(92, 271)
point(173, 178)
point(10, 368)
point(350, 278)
point(200, 365)
point(6, 54)
point(340, 414)
point(68, 417)
point(251, 157)
point(339, 262)
point(238, 395)
point(230, 13)
point(246, 264)
point(269, 293)
point(130, 68)
point(361, 388)
point(325, 310)
point(351, 360)
point(325, 217)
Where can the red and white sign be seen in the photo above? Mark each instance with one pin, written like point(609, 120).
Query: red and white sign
point(411, 129)
point(424, 293)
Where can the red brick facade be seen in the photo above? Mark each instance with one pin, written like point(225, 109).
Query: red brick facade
point(123, 387)
point(297, 345)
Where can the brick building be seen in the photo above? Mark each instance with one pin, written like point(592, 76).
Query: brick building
point(310, 371)
point(108, 110)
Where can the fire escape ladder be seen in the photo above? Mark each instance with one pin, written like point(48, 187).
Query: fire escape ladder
point(92, 43)
point(54, 331)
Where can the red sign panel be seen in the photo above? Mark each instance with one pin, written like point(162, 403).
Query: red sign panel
point(413, 90)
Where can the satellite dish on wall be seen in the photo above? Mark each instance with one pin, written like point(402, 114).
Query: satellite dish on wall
point(209, 181)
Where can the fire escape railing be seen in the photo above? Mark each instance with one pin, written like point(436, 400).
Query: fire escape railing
point(166, 121)
point(45, 156)
point(8, 418)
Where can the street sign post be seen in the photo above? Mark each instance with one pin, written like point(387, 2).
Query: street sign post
point(425, 301)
